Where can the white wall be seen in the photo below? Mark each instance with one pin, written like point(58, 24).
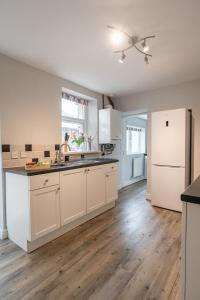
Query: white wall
point(30, 103)
point(183, 95)
point(30, 108)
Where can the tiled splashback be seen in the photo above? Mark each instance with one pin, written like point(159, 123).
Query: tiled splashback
point(19, 155)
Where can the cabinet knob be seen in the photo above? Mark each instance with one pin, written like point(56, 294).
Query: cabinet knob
point(58, 189)
point(107, 175)
point(46, 180)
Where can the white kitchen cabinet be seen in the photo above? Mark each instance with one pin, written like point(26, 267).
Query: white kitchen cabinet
point(111, 186)
point(190, 251)
point(72, 195)
point(42, 207)
point(44, 211)
point(96, 191)
point(109, 126)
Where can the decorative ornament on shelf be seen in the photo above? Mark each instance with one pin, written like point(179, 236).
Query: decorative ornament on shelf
point(89, 140)
point(133, 42)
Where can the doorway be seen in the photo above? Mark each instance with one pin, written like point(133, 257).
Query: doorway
point(134, 148)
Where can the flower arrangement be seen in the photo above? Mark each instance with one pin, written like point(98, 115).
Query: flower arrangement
point(77, 139)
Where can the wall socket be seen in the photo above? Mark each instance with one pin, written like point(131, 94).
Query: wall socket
point(23, 154)
point(14, 154)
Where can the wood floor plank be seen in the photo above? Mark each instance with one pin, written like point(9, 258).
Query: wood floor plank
point(130, 252)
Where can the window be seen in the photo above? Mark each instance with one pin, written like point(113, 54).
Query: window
point(74, 119)
point(135, 140)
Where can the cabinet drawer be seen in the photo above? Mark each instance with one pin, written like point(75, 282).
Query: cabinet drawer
point(111, 167)
point(44, 180)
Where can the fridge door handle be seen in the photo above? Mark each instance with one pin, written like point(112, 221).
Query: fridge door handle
point(167, 166)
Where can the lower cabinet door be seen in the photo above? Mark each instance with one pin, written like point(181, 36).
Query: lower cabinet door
point(96, 189)
point(45, 211)
point(111, 187)
point(72, 195)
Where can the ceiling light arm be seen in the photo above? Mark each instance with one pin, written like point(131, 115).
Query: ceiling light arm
point(124, 32)
point(146, 54)
point(119, 51)
point(146, 38)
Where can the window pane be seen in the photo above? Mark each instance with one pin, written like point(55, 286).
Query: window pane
point(135, 140)
point(72, 109)
point(69, 128)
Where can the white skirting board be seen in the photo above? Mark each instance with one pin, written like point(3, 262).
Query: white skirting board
point(3, 234)
point(148, 196)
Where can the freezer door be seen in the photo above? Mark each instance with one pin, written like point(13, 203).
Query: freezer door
point(168, 140)
point(167, 184)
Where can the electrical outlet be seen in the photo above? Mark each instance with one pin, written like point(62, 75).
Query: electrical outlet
point(14, 154)
point(23, 154)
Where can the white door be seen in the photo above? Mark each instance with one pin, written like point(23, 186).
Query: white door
point(167, 185)
point(168, 137)
point(111, 187)
point(72, 195)
point(45, 211)
point(96, 188)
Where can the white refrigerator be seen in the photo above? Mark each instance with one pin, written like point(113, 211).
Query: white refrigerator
point(170, 157)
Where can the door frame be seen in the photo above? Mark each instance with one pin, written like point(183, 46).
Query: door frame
point(124, 115)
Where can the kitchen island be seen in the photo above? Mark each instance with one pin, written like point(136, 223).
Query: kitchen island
point(191, 242)
point(44, 204)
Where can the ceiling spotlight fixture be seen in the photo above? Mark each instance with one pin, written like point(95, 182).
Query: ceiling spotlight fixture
point(144, 46)
point(146, 59)
point(122, 58)
point(117, 37)
point(133, 42)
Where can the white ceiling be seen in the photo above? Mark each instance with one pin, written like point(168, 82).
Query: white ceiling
point(70, 39)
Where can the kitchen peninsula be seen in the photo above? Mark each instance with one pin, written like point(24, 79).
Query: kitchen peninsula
point(44, 204)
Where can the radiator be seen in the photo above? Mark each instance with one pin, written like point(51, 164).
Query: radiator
point(137, 167)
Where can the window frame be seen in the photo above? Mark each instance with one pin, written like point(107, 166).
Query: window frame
point(82, 122)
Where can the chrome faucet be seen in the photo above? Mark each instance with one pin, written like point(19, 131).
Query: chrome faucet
point(60, 153)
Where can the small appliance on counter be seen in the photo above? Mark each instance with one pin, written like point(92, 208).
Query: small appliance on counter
point(107, 149)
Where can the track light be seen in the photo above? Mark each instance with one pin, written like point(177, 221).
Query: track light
point(146, 59)
point(144, 46)
point(117, 37)
point(133, 41)
point(121, 60)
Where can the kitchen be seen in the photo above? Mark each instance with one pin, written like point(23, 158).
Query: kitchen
point(108, 244)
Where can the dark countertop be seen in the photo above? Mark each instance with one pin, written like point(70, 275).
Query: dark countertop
point(67, 166)
point(192, 193)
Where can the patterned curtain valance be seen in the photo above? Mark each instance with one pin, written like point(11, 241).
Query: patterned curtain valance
point(131, 128)
point(74, 98)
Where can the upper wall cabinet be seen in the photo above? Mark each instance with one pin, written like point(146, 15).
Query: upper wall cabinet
point(109, 126)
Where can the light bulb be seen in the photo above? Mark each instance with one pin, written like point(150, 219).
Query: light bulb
point(117, 37)
point(145, 47)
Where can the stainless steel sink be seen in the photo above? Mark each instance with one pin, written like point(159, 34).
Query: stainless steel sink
point(76, 162)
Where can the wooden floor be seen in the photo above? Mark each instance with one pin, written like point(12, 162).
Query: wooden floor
point(130, 252)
